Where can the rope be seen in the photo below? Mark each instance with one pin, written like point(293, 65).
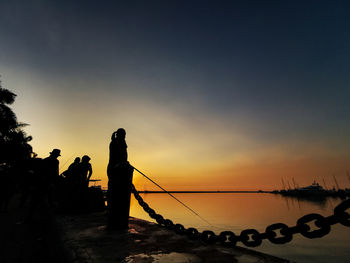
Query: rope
point(189, 208)
point(70, 158)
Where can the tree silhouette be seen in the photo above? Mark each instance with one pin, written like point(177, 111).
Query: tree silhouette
point(13, 140)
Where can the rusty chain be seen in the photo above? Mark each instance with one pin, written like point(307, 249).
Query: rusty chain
point(252, 237)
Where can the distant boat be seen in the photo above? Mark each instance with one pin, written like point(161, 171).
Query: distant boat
point(313, 189)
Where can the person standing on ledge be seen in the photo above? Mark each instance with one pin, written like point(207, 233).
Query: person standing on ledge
point(120, 174)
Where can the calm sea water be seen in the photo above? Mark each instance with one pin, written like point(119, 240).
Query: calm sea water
point(236, 212)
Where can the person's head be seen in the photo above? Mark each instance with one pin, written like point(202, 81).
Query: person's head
point(55, 153)
point(85, 159)
point(77, 160)
point(120, 134)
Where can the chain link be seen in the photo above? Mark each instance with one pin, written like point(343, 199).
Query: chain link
point(228, 238)
point(320, 222)
point(252, 237)
point(271, 230)
point(339, 212)
point(192, 233)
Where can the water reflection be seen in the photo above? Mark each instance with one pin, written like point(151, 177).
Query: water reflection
point(317, 200)
point(240, 211)
point(225, 210)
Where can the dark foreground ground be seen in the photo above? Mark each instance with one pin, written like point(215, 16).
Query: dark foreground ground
point(84, 238)
point(88, 240)
point(35, 241)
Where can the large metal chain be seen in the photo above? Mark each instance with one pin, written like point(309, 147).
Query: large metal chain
point(252, 237)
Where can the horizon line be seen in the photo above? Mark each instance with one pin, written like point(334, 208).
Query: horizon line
point(207, 191)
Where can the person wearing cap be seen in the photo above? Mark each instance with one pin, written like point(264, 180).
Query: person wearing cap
point(85, 170)
point(50, 171)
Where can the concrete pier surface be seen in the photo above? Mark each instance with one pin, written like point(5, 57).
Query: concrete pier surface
point(86, 239)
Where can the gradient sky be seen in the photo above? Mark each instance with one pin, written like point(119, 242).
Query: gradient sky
point(212, 94)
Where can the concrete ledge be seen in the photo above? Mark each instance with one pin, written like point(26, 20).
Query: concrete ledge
point(86, 239)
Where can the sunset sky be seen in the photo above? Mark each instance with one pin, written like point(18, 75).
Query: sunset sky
point(213, 94)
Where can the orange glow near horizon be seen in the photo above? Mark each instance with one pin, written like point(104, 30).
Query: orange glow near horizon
point(178, 149)
point(253, 175)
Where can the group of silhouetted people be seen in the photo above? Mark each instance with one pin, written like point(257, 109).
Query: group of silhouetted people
point(79, 172)
point(45, 174)
point(40, 179)
point(41, 185)
point(37, 182)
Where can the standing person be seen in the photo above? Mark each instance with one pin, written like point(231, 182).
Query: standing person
point(119, 173)
point(85, 170)
point(117, 150)
point(72, 173)
point(50, 169)
point(71, 196)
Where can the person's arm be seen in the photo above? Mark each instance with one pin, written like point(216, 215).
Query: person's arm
point(89, 173)
point(67, 172)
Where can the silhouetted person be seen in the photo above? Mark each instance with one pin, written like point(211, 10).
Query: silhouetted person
point(72, 174)
point(50, 169)
point(119, 173)
point(85, 170)
point(69, 187)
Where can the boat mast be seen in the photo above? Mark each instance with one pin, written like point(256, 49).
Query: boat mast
point(336, 183)
point(284, 186)
point(324, 183)
point(295, 187)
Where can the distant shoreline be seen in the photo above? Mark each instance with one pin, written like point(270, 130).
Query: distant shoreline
point(202, 192)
